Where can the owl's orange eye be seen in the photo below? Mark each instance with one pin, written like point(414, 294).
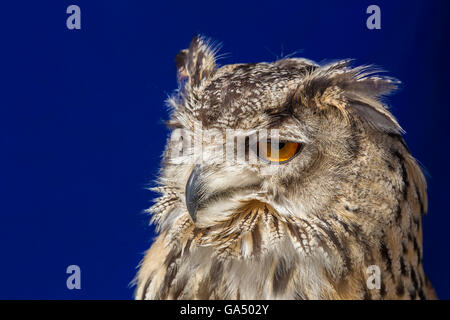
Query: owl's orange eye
point(277, 152)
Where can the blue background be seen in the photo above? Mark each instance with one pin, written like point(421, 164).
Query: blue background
point(81, 119)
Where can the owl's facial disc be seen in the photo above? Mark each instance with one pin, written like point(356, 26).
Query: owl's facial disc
point(218, 184)
point(206, 187)
point(213, 193)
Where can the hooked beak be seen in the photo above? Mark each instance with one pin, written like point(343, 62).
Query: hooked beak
point(193, 192)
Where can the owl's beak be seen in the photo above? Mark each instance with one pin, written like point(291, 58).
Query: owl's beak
point(193, 192)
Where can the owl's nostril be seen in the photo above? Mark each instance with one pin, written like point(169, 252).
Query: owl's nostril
point(193, 192)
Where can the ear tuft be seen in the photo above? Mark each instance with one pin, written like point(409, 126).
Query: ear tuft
point(356, 91)
point(180, 62)
point(198, 62)
point(365, 93)
point(380, 120)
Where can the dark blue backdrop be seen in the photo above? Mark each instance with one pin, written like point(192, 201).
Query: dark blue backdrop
point(81, 119)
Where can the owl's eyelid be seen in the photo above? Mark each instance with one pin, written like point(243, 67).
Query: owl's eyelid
point(282, 138)
point(290, 139)
point(284, 141)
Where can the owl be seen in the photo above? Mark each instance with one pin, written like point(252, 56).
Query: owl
point(325, 201)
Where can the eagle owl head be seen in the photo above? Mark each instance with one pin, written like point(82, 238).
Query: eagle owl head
point(292, 167)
